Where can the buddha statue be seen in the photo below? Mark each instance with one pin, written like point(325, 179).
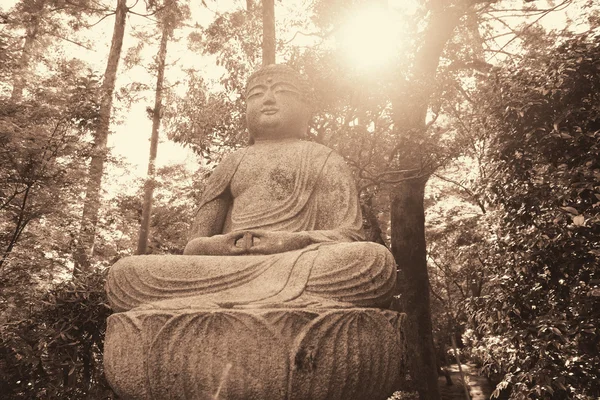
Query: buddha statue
point(275, 295)
point(279, 224)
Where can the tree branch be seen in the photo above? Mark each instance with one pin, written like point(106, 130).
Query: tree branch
point(565, 3)
point(70, 41)
point(101, 19)
point(466, 189)
point(322, 36)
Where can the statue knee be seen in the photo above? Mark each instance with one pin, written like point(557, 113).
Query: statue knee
point(354, 256)
point(365, 252)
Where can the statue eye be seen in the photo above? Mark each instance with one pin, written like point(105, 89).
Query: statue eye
point(285, 88)
point(253, 93)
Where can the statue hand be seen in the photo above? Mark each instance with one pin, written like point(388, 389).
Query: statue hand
point(217, 245)
point(272, 242)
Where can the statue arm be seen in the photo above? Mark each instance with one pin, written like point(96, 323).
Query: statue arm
point(338, 210)
point(210, 218)
point(206, 236)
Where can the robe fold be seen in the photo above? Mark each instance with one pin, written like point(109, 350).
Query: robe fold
point(336, 271)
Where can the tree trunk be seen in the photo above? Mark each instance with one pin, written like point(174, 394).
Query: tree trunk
point(22, 222)
point(19, 77)
point(409, 250)
point(156, 117)
point(372, 229)
point(408, 214)
point(268, 45)
point(91, 206)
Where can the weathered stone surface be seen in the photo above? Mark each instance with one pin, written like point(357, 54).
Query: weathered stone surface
point(327, 274)
point(268, 300)
point(265, 354)
point(279, 225)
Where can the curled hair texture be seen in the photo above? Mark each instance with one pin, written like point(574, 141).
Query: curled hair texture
point(294, 76)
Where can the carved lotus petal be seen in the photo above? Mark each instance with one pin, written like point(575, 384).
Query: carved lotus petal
point(349, 354)
point(217, 355)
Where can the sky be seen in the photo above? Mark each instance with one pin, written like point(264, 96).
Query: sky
point(130, 139)
point(136, 128)
point(381, 34)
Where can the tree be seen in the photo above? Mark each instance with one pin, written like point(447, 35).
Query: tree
point(170, 15)
point(42, 155)
point(268, 20)
point(543, 306)
point(41, 20)
point(407, 209)
point(85, 243)
point(33, 9)
point(212, 122)
point(47, 335)
point(177, 193)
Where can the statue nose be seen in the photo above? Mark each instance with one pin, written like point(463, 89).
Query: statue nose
point(269, 97)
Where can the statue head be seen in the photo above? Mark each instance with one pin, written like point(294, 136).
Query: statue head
point(277, 103)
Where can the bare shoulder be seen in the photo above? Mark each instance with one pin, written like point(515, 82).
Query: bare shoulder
point(232, 158)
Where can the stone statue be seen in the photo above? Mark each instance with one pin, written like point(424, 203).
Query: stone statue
point(279, 224)
point(275, 247)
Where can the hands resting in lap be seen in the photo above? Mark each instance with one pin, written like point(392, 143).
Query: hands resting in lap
point(250, 242)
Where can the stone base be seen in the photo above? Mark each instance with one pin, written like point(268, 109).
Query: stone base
point(262, 354)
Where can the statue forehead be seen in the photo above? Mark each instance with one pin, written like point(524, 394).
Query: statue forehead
point(271, 78)
point(278, 73)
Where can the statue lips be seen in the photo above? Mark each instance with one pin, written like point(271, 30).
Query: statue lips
point(269, 110)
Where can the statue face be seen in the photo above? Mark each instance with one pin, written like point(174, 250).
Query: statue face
point(275, 108)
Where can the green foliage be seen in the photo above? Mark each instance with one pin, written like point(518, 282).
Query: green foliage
point(52, 348)
point(176, 194)
point(51, 333)
point(538, 324)
point(212, 122)
point(404, 396)
point(43, 161)
point(208, 123)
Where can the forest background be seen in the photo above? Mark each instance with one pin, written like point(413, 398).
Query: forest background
point(472, 127)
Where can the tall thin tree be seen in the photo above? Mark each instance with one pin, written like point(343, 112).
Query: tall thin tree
point(91, 206)
point(19, 75)
point(33, 12)
point(142, 246)
point(268, 45)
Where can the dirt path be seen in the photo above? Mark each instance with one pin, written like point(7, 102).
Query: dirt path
point(479, 387)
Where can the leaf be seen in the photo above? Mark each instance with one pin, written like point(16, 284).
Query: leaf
point(570, 210)
point(557, 331)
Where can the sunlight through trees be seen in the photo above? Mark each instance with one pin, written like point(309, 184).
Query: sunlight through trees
point(471, 128)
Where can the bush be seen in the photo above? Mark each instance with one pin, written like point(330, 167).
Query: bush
point(538, 324)
point(54, 350)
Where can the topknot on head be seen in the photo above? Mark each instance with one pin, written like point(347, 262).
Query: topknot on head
point(299, 80)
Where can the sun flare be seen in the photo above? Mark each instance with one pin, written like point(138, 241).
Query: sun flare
point(369, 38)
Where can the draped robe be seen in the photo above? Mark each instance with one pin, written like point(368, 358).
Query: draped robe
point(302, 187)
